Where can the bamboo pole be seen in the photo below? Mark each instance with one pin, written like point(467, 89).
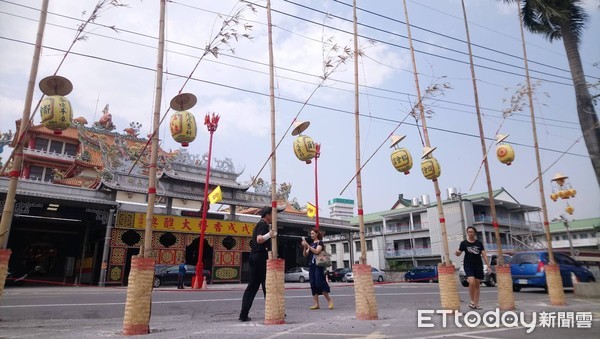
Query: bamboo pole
point(273, 144)
point(138, 305)
point(147, 249)
point(506, 298)
point(275, 294)
point(554, 281)
point(15, 172)
point(447, 283)
point(364, 291)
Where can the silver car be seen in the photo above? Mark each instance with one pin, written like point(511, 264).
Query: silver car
point(299, 274)
point(376, 273)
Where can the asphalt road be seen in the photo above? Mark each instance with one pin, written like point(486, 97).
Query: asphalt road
point(91, 312)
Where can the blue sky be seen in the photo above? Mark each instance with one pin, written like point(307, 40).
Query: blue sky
point(116, 69)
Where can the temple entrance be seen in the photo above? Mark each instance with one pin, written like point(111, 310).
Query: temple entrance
point(191, 254)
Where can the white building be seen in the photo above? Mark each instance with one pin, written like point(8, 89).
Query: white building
point(578, 238)
point(340, 208)
point(410, 232)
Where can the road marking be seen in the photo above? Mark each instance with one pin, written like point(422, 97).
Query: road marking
point(447, 334)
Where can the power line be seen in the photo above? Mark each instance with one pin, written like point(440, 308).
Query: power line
point(294, 101)
point(262, 64)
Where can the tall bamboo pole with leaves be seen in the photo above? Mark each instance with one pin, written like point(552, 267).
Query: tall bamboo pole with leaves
point(553, 278)
point(506, 298)
point(447, 283)
point(9, 204)
point(138, 304)
point(366, 304)
point(275, 294)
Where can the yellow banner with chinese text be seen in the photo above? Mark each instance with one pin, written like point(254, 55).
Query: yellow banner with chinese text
point(192, 225)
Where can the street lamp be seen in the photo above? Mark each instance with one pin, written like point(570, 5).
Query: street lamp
point(568, 228)
point(211, 122)
point(183, 130)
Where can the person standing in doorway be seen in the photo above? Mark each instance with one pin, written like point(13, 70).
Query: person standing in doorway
point(473, 264)
point(181, 275)
point(261, 245)
point(316, 274)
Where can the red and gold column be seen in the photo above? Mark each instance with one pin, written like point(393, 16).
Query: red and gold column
point(448, 288)
point(555, 285)
point(4, 257)
point(139, 297)
point(506, 298)
point(364, 293)
point(275, 301)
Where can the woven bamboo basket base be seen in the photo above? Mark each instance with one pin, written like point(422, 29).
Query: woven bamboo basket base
point(275, 301)
point(364, 293)
point(506, 298)
point(448, 287)
point(4, 257)
point(555, 286)
point(138, 304)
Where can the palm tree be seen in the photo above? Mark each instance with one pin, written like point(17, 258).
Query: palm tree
point(565, 19)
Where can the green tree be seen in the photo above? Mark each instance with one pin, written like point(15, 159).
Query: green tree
point(565, 19)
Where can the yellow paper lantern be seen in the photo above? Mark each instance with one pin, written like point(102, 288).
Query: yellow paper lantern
point(183, 127)
point(304, 148)
point(505, 153)
point(431, 168)
point(56, 113)
point(572, 192)
point(554, 196)
point(402, 160)
point(570, 209)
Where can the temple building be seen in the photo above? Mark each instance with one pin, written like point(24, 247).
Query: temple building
point(82, 196)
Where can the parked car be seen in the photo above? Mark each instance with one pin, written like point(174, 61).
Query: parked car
point(338, 274)
point(299, 274)
point(527, 269)
point(489, 279)
point(376, 273)
point(169, 275)
point(422, 274)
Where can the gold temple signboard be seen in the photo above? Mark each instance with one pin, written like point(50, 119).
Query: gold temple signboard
point(184, 224)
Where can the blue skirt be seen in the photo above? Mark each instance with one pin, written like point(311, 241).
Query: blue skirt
point(318, 282)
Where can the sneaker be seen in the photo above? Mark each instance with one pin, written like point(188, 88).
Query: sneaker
point(244, 319)
point(314, 307)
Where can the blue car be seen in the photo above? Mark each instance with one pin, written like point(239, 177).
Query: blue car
point(527, 270)
point(422, 274)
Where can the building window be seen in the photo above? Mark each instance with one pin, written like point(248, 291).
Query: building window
point(346, 263)
point(369, 245)
point(41, 173)
point(333, 249)
point(426, 242)
point(56, 147)
point(357, 246)
point(583, 235)
point(557, 238)
point(71, 149)
point(41, 144)
point(407, 244)
point(378, 229)
point(346, 248)
point(575, 236)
